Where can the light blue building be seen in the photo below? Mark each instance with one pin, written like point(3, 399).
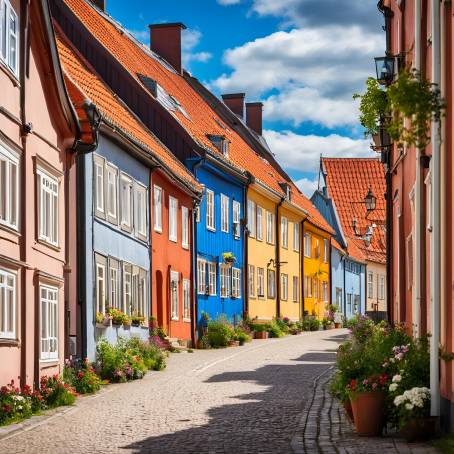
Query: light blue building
point(219, 240)
point(114, 258)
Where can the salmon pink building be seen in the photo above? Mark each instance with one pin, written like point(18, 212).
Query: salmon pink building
point(38, 129)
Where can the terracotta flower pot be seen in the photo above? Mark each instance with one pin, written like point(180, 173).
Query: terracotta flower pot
point(369, 413)
point(261, 335)
point(337, 325)
point(419, 429)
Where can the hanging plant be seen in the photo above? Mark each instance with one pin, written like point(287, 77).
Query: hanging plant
point(405, 107)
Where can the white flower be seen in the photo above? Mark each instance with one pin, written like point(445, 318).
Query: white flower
point(398, 400)
point(397, 378)
point(393, 387)
point(409, 406)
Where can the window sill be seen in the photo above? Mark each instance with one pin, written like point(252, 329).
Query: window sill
point(211, 229)
point(185, 246)
point(9, 342)
point(10, 229)
point(173, 240)
point(47, 363)
point(187, 320)
point(158, 230)
point(54, 247)
point(175, 319)
point(9, 73)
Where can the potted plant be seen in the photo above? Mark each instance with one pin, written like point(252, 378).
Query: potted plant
point(367, 398)
point(260, 331)
point(137, 319)
point(228, 258)
point(413, 408)
point(118, 317)
point(102, 320)
point(127, 322)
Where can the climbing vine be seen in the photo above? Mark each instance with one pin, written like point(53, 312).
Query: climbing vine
point(406, 108)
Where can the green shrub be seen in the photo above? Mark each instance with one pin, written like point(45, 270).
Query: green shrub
point(219, 332)
point(82, 377)
point(274, 329)
point(259, 327)
point(310, 323)
point(242, 336)
point(14, 406)
point(55, 392)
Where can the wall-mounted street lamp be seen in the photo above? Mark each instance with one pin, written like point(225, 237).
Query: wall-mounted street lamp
point(384, 67)
point(370, 201)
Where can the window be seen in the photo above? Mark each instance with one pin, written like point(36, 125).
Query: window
point(269, 227)
point(236, 207)
point(356, 301)
point(49, 322)
point(259, 223)
point(197, 213)
point(251, 218)
point(9, 36)
point(370, 284)
point(7, 305)
point(325, 291)
point(48, 207)
point(127, 288)
point(296, 289)
point(271, 284)
point(135, 291)
point(381, 288)
point(296, 236)
point(126, 202)
point(225, 281)
point(251, 280)
point(99, 185)
point(186, 300)
point(349, 302)
point(317, 248)
point(260, 282)
point(339, 298)
point(173, 220)
point(284, 232)
point(325, 250)
point(212, 278)
point(307, 287)
point(114, 284)
point(307, 245)
point(100, 287)
point(111, 193)
point(157, 208)
point(201, 277)
point(9, 188)
point(284, 285)
point(236, 282)
point(174, 293)
point(141, 210)
point(210, 210)
point(185, 227)
point(224, 213)
point(143, 295)
point(409, 245)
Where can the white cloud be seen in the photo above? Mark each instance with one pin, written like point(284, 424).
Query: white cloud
point(302, 152)
point(307, 186)
point(228, 2)
point(142, 35)
point(190, 39)
point(308, 104)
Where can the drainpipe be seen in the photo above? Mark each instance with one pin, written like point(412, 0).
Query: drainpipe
point(278, 262)
point(303, 302)
point(419, 219)
point(435, 250)
point(343, 261)
point(245, 249)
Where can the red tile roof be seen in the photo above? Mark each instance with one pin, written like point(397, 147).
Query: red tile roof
point(203, 120)
point(83, 83)
point(348, 181)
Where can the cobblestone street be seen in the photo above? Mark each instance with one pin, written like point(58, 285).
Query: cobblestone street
point(252, 399)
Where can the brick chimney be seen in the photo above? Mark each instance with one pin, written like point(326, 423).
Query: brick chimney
point(235, 102)
point(165, 40)
point(254, 116)
point(101, 4)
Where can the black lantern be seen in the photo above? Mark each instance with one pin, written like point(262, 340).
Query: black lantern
point(385, 69)
point(370, 200)
point(93, 114)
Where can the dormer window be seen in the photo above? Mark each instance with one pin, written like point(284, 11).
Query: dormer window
point(221, 143)
point(287, 190)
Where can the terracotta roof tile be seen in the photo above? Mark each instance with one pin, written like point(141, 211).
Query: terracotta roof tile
point(348, 181)
point(198, 118)
point(83, 83)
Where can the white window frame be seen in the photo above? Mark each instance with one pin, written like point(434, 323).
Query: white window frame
point(224, 272)
point(236, 282)
point(296, 236)
point(48, 185)
point(186, 300)
point(259, 226)
point(296, 289)
point(370, 284)
point(127, 211)
point(211, 272)
point(173, 219)
point(114, 285)
point(185, 227)
point(270, 227)
point(260, 282)
point(251, 218)
point(127, 288)
point(99, 187)
point(101, 287)
point(236, 209)
point(225, 206)
point(8, 284)
point(325, 250)
point(201, 276)
point(308, 245)
point(140, 210)
point(284, 232)
point(381, 287)
point(157, 208)
point(175, 295)
point(210, 210)
point(49, 329)
point(9, 191)
point(284, 286)
point(7, 35)
point(325, 291)
point(271, 287)
point(251, 281)
point(111, 200)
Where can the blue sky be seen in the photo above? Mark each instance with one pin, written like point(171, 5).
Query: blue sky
point(302, 58)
